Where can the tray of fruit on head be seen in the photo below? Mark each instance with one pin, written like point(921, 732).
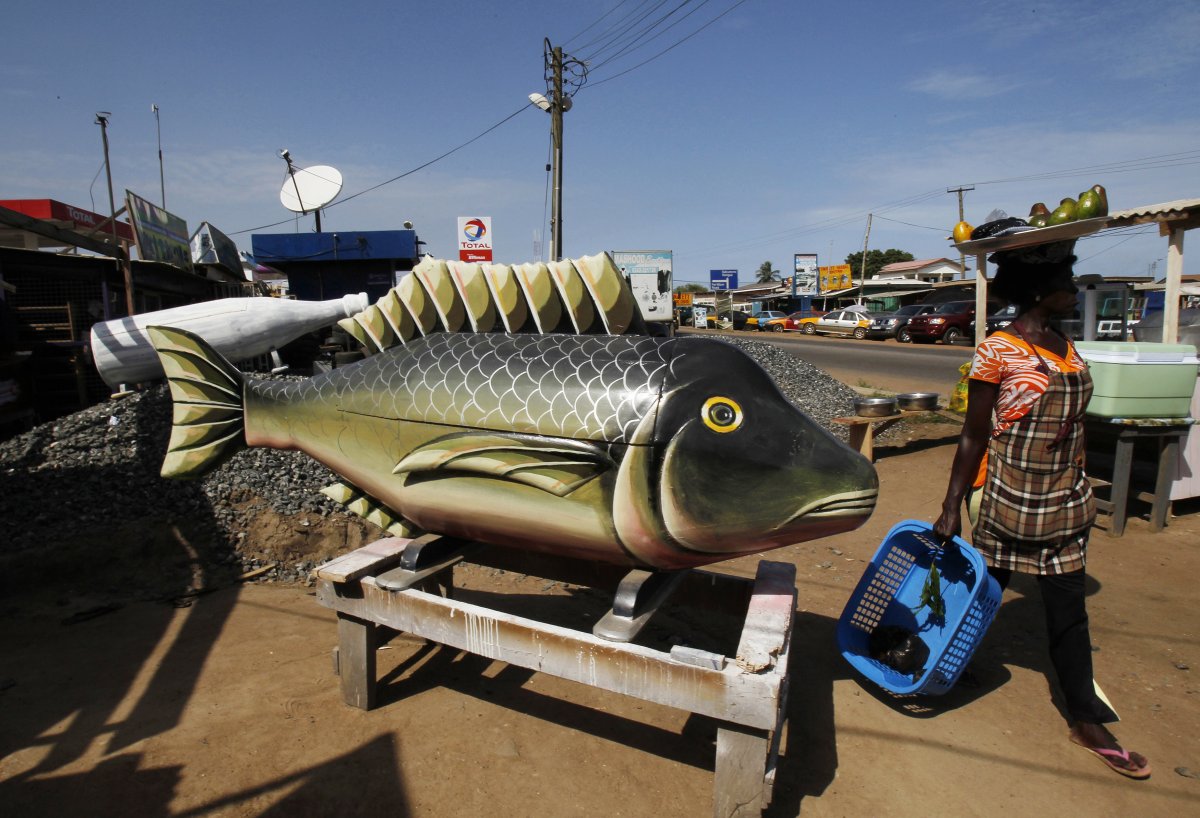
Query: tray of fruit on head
point(1070, 220)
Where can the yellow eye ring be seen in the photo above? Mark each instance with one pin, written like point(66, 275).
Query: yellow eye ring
point(721, 414)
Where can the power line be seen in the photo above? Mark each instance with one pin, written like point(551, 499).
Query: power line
point(671, 47)
point(345, 199)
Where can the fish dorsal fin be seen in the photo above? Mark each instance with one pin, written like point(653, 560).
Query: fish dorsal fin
point(414, 298)
point(540, 294)
point(473, 291)
point(506, 295)
point(557, 467)
point(369, 509)
point(585, 295)
point(610, 291)
point(575, 296)
point(434, 276)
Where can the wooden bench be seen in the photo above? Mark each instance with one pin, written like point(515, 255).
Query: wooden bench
point(863, 429)
point(746, 693)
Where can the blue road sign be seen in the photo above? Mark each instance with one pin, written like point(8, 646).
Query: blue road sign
point(722, 280)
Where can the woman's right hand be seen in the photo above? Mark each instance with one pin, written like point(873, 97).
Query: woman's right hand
point(948, 525)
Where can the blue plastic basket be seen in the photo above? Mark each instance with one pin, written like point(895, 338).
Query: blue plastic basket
point(889, 593)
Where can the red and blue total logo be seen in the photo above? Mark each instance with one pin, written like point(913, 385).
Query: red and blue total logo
point(474, 230)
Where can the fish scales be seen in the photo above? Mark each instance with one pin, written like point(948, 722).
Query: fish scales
point(595, 387)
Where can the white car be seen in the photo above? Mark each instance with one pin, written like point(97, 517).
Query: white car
point(840, 322)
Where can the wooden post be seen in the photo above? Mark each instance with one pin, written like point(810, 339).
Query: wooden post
point(1174, 280)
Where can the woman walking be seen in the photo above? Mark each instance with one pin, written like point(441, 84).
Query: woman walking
point(1027, 394)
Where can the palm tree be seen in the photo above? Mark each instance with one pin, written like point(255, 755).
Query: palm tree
point(766, 273)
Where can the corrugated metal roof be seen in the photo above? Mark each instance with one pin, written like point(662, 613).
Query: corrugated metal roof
point(1156, 212)
point(888, 294)
point(916, 264)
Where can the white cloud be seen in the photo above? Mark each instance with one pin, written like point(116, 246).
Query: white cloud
point(959, 85)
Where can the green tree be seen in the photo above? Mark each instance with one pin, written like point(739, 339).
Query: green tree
point(691, 288)
point(876, 261)
point(766, 273)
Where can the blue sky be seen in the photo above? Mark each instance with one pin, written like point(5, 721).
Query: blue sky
point(774, 130)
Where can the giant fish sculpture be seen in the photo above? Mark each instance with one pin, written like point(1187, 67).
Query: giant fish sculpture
point(664, 453)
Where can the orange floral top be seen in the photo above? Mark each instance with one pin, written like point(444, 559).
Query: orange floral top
point(1011, 362)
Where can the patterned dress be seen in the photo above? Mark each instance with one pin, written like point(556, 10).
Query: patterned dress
point(1037, 507)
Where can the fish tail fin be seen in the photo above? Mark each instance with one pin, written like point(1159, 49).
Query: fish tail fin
point(208, 420)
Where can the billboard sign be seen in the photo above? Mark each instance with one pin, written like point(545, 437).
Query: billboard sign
point(835, 277)
point(160, 234)
point(805, 279)
point(211, 246)
point(474, 238)
point(649, 275)
point(722, 280)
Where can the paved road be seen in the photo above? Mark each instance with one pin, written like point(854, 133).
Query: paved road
point(881, 364)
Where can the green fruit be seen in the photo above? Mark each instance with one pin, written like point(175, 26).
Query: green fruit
point(1040, 220)
point(1062, 214)
point(1103, 194)
point(1088, 206)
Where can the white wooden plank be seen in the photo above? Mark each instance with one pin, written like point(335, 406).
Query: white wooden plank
point(366, 560)
point(769, 617)
point(634, 670)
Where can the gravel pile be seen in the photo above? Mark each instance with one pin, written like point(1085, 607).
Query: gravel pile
point(90, 478)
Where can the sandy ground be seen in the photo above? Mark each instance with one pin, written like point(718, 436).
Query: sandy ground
point(228, 705)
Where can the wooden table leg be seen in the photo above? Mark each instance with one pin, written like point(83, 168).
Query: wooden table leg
point(740, 771)
point(357, 640)
point(1122, 466)
point(1168, 456)
point(860, 439)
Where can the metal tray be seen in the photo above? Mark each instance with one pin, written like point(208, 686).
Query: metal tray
point(1028, 238)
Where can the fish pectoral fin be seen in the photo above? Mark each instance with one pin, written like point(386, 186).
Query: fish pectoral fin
point(370, 509)
point(557, 469)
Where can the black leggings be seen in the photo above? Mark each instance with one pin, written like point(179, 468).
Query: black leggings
point(1063, 598)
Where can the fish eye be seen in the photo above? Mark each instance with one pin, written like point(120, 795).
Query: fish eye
point(721, 414)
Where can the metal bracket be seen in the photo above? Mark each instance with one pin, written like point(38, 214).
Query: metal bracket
point(425, 556)
point(638, 597)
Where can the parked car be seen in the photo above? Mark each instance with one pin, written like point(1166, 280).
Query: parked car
point(760, 320)
point(1001, 318)
point(737, 318)
point(839, 322)
point(895, 324)
point(950, 323)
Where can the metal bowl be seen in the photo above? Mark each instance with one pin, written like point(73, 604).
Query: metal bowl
point(874, 407)
point(914, 401)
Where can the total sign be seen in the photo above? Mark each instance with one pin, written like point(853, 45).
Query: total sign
point(474, 238)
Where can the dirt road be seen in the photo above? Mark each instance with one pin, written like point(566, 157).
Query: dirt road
point(229, 706)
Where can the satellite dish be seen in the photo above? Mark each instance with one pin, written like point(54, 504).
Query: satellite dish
point(308, 189)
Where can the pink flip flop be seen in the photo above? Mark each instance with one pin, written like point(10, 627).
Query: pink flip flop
point(1109, 758)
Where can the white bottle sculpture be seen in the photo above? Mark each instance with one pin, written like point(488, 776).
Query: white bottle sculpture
point(238, 328)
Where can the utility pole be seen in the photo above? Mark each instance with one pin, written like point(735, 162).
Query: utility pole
point(863, 267)
point(556, 135)
point(162, 182)
point(122, 260)
point(960, 190)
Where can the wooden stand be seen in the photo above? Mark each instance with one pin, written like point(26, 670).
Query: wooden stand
point(863, 429)
point(1166, 433)
point(747, 694)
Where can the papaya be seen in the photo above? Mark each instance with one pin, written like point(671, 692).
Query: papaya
point(1103, 195)
point(962, 232)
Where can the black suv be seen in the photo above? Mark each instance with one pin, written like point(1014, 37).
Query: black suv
point(894, 324)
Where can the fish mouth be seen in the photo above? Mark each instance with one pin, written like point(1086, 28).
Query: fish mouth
point(846, 504)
